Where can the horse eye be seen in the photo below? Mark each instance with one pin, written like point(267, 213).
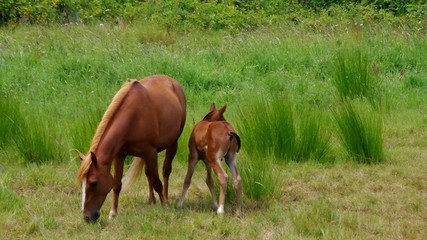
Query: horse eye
point(93, 184)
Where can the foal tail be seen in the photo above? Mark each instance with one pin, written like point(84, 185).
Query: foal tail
point(234, 135)
point(133, 173)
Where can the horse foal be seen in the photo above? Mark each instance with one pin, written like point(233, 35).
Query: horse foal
point(211, 140)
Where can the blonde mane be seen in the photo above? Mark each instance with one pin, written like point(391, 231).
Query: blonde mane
point(109, 113)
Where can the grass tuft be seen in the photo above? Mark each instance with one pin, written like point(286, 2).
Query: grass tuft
point(360, 132)
point(273, 129)
point(36, 141)
point(353, 77)
point(10, 120)
point(267, 126)
point(83, 129)
point(313, 139)
point(259, 179)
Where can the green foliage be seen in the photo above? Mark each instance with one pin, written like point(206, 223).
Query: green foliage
point(189, 14)
point(360, 132)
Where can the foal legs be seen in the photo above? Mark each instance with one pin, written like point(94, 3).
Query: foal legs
point(210, 183)
point(192, 160)
point(230, 159)
point(222, 178)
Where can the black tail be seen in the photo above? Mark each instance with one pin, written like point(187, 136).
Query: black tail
point(233, 134)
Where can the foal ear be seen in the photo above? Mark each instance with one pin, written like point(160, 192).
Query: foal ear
point(93, 158)
point(213, 108)
point(81, 155)
point(222, 110)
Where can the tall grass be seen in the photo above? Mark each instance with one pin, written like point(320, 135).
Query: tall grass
point(37, 141)
point(259, 178)
point(33, 136)
point(84, 127)
point(353, 77)
point(269, 126)
point(10, 119)
point(360, 132)
point(313, 138)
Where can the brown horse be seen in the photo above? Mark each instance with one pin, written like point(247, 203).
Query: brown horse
point(145, 117)
point(212, 139)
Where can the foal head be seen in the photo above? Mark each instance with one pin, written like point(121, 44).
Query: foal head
point(215, 114)
point(97, 182)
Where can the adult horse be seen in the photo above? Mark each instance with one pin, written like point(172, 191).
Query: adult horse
point(145, 117)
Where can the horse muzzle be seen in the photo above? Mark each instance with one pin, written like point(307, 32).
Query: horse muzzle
point(92, 217)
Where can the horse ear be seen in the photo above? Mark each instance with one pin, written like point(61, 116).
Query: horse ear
point(93, 158)
point(222, 110)
point(81, 155)
point(213, 108)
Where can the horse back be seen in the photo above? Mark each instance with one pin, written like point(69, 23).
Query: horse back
point(219, 137)
point(156, 110)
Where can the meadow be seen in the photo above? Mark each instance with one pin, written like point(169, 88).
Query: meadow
point(332, 117)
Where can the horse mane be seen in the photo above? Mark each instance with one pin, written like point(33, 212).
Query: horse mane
point(108, 115)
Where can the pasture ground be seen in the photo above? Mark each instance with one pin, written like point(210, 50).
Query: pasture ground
point(64, 76)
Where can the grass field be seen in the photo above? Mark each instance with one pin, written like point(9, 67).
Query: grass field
point(281, 84)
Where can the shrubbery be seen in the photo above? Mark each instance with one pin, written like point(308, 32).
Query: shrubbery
point(183, 14)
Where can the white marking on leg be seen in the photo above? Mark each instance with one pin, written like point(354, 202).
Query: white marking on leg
point(220, 209)
point(83, 193)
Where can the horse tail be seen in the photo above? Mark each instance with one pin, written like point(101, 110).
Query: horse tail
point(234, 135)
point(133, 173)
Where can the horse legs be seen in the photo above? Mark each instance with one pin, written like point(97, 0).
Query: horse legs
point(153, 173)
point(117, 185)
point(151, 197)
point(167, 167)
point(192, 160)
point(230, 159)
point(210, 183)
point(214, 162)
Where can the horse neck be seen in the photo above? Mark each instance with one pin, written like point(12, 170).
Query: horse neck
point(111, 141)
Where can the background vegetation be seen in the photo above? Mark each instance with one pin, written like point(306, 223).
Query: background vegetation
point(329, 98)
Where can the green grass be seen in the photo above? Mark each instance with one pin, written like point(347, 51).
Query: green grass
point(361, 133)
point(354, 77)
point(280, 127)
point(259, 177)
point(279, 84)
point(10, 119)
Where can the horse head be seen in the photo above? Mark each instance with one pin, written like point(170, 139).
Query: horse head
point(97, 182)
point(215, 114)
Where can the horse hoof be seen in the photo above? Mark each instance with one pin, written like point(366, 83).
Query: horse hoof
point(112, 215)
